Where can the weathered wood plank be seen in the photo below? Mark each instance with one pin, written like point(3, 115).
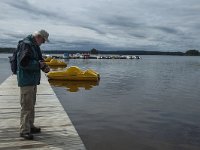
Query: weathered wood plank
point(58, 131)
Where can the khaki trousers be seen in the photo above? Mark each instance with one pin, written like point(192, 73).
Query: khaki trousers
point(27, 101)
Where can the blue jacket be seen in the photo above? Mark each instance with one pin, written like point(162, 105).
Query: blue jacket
point(28, 67)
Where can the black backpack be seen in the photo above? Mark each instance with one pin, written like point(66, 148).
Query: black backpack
point(13, 59)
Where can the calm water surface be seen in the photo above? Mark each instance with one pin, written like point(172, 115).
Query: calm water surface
point(147, 104)
point(4, 67)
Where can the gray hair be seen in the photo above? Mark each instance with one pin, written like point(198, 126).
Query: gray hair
point(42, 33)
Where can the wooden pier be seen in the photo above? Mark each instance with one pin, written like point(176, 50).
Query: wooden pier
point(58, 132)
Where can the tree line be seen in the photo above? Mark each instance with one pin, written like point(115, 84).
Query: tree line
point(191, 52)
point(187, 53)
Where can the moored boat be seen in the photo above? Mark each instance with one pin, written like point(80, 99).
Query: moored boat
point(55, 62)
point(74, 73)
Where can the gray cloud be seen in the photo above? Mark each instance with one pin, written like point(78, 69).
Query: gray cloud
point(34, 11)
point(122, 21)
point(6, 43)
point(167, 30)
point(104, 24)
point(15, 35)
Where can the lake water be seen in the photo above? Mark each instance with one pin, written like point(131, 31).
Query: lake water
point(147, 104)
point(4, 67)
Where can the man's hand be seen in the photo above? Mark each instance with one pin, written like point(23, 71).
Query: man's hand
point(44, 67)
point(42, 64)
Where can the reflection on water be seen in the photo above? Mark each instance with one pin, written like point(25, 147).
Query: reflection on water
point(73, 86)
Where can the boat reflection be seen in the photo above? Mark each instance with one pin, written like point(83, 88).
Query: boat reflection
point(73, 86)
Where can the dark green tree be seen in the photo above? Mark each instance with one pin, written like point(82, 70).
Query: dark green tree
point(94, 51)
point(192, 52)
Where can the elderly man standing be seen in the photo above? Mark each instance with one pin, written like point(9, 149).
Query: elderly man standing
point(29, 64)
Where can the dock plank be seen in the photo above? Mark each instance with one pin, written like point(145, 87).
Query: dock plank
point(58, 131)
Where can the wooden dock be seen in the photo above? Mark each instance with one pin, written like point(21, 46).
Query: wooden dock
point(58, 132)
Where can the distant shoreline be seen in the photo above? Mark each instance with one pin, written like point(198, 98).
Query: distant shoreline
point(118, 52)
point(10, 50)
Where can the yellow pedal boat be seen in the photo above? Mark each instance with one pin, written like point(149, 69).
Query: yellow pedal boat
point(48, 59)
point(74, 73)
point(55, 62)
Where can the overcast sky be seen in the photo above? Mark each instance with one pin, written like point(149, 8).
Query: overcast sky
point(172, 25)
